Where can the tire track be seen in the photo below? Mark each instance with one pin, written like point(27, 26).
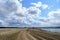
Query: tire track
point(27, 34)
point(22, 35)
point(31, 37)
point(42, 37)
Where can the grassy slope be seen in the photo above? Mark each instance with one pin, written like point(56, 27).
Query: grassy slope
point(40, 34)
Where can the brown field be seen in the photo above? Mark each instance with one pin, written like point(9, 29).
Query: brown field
point(27, 34)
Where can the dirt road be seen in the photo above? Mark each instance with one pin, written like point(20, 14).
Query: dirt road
point(27, 34)
point(24, 35)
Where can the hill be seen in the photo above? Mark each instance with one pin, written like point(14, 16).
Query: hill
point(27, 34)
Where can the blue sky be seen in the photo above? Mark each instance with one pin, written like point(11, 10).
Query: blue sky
point(30, 13)
point(53, 4)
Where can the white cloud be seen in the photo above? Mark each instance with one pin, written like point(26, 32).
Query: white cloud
point(3, 23)
point(54, 14)
point(44, 6)
point(14, 14)
point(8, 7)
point(54, 18)
point(33, 11)
point(20, 0)
point(40, 4)
point(37, 4)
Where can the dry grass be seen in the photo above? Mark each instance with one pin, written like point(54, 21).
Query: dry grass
point(21, 34)
point(9, 34)
point(40, 34)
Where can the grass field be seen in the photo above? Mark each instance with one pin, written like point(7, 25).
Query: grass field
point(27, 34)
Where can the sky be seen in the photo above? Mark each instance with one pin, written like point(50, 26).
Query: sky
point(29, 13)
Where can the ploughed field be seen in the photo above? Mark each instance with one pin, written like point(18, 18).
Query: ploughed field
point(27, 34)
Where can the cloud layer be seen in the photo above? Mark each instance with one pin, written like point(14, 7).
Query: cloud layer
point(13, 14)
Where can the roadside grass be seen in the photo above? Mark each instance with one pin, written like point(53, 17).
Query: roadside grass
point(15, 34)
point(9, 34)
point(44, 34)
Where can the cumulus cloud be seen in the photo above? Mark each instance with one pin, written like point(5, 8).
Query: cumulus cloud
point(54, 18)
point(13, 14)
point(9, 10)
point(54, 14)
point(7, 7)
point(33, 11)
point(40, 5)
point(44, 6)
